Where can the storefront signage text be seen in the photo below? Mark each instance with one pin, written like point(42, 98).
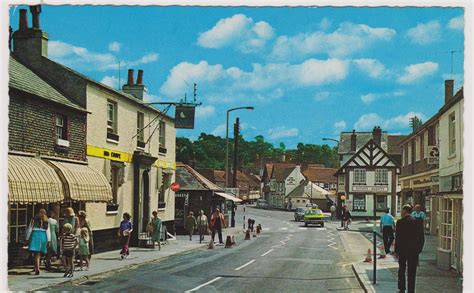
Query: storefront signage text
point(366, 188)
point(108, 154)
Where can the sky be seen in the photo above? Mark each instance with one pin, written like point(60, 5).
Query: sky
point(310, 72)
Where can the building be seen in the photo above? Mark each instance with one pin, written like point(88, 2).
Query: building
point(215, 176)
point(321, 176)
point(307, 193)
point(47, 166)
point(450, 195)
point(198, 193)
point(368, 179)
point(137, 158)
point(255, 186)
point(285, 177)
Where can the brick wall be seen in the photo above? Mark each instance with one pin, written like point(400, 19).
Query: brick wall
point(32, 127)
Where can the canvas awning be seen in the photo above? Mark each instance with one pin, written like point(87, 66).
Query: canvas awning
point(31, 180)
point(84, 183)
point(228, 197)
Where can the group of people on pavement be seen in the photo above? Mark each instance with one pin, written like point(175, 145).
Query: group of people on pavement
point(205, 227)
point(46, 237)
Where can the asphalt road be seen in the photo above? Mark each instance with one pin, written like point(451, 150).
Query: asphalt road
point(286, 257)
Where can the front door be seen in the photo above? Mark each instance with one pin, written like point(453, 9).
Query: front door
point(146, 200)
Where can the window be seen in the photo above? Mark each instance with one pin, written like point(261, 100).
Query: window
point(381, 176)
point(359, 176)
point(117, 170)
point(417, 148)
point(425, 145)
point(456, 182)
point(358, 203)
point(452, 133)
point(304, 200)
point(19, 218)
point(140, 126)
point(381, 202)
point(111, 117)
point(164, 181)
point(404, 155)
point(297, 200)
point(162, 134)
point(61, 127)
point(410, 146)
point(432, 135)
point(446, 224)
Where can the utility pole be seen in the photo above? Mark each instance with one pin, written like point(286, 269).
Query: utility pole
point(235, 167)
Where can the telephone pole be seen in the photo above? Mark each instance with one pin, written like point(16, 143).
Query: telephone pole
point(235, 167)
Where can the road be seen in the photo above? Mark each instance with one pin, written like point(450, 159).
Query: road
point(286, 257)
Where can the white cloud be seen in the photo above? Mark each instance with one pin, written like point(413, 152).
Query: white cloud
point(149, 98)
point(346, 39)
point(205, 111)
point(369, 98)
point(415, 72)
point(456, 23)
point(425, 33)
point(219, 130)
point(324, 24)
point(319, 96)
point(282, 131)
point(373, 67)
point(368, 121)
point(115, 46)
point(339, 126)
point(311, 72)
point(111, 81)
point(239, 31)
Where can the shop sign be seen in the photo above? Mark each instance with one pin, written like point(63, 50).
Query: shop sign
point(290, 181)
point(433, 154)
point(108, 154)
point(184, 117)
point(165, 164)
point(422, 181)
point(367, 188)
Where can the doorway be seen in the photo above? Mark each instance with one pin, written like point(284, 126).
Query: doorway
point(146, 200)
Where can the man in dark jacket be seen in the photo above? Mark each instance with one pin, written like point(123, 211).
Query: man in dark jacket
point(407, 246)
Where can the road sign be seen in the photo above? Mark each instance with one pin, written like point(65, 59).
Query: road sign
point(433, 154)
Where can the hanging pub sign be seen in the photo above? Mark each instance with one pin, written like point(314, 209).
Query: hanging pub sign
point(433, 155)
point(184, 117)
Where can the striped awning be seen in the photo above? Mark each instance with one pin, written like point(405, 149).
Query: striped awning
point(228, 197)
point(84, 183)
point(31, 180)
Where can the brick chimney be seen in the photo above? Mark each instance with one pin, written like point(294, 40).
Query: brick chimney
point(448, 90)
point(138, 90)
point(377, 135)
point(353, 141)
point(30, 44)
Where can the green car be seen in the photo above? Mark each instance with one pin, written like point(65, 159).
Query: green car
point(314, 216)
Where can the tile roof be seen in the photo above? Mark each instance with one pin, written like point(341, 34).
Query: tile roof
point(299, 191)
point(282, 170)
point(190, 179)
point(24, 79)
point(318, 174)
point(361, 140)
point(213, 175)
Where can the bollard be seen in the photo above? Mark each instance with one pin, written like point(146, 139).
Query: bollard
point(368, 258)
point(233, 240)
point(247, 235)
point(228, 242)
point(211, 244)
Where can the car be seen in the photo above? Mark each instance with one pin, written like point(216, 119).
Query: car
point(262, 204)
point(314, 216)
point(299, 214)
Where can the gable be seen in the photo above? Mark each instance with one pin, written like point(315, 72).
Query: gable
point(371, 155)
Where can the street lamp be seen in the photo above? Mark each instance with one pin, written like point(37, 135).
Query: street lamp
point(227, 155)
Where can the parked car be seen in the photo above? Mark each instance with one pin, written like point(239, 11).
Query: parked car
point(314, 216)
point(299, 214)
point(262, 204)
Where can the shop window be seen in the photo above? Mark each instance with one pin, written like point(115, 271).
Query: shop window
point(381, 202)
point(381, 176)
point(117, 178)
point(359, 203)
point(360, 176)
point(446, 224)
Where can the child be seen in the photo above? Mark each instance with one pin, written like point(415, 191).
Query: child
point(84, 247)
point(124, 234)
point(68, 244)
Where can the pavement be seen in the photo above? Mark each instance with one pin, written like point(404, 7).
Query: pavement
point(429, 277)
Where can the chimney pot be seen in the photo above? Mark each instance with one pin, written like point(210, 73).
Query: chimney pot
point(377, 135)
point(23, 20)
point(130, 77)
point(35, 11)
point(448, 90)
point(140, 77)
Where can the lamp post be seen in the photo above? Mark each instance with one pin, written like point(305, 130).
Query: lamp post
point(227, 154)
point(338, 202)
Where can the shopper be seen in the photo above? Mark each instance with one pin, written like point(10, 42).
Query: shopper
point(217, 222)
point(420, 217)
point(190, 225)
point(68, 245)
point(124, 232)
point(202, 225)
point(346, 217)
point(84, 253)
point(85, 223)
point(387, 225)
point(53, 247)
point(38, 236)
point(155, 229)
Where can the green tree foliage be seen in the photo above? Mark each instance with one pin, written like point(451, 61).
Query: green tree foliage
point(208, 151)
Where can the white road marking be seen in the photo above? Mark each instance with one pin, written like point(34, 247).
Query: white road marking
point(267, 252)
point(283, 228)
point(283, 242)
point(303, 228)
point(244, 265)
point(205, 284)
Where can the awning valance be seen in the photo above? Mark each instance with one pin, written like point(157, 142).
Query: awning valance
point(228, 197)
point(84, 183)
point(31, 180)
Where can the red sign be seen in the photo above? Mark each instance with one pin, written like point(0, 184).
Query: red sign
point(175, 187)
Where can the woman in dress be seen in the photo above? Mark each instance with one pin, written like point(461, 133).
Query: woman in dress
point(39, 237)
point(124, 232)
point(85, 223)
point(156, 229)
point(70, 218)
point(54, 231)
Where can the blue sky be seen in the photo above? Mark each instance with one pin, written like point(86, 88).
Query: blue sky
point(309, 72)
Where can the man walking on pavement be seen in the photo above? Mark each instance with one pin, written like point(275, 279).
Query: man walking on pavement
point(420, 218)
point(407, 246)
point(387, 225)
point(217, 221)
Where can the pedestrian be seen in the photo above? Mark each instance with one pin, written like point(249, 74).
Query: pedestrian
point(420, 217)
point(68, 245)
point(202, 225)
point(85, 223)
point(407, 247)
point(53, 247)
point(346, 217)
point(38, 236)
point(191, 225)
point(332, 209)
point(217, 222)
point(249, 224)
point(84, 248)
point(155, 229)
point(387, 225)
point(70, 218)
point(124, 232)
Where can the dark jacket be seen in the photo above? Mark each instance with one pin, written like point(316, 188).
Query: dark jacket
point(408, 237)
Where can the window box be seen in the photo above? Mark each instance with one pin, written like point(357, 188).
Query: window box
point(113, 136)
point(112, 208)
point(162, 150)
point(140, 144)
point(161, 205)
point(62, 143)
